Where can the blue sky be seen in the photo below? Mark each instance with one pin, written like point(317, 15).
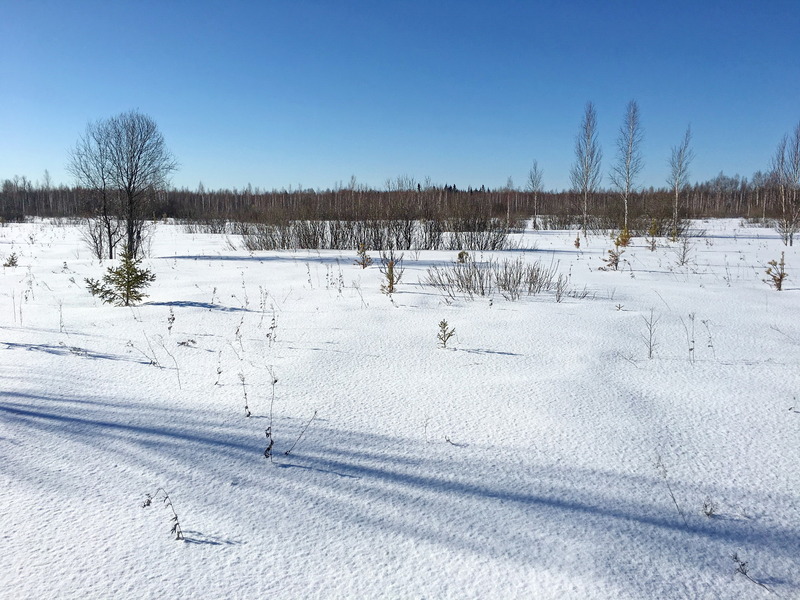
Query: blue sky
point(288, 93)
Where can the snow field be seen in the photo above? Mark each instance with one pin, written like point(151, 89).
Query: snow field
point(520, 462)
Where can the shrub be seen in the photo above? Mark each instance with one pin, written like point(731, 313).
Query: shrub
point(124, 285)
point(511, 278)
point(776, 273)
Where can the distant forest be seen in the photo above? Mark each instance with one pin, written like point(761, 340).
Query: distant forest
point(404, 198)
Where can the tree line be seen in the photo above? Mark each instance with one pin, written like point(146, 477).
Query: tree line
point(122, 166)
point(722, 196)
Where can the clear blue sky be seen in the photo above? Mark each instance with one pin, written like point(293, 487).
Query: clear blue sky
point(280, 93)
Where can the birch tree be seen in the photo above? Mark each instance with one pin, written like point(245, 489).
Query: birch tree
point(585, 172)
point(678, 178)
point(786, 173)
point(629, 157)
point(534, 185)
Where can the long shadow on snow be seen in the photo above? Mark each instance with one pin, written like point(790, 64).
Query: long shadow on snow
point(69, 350)
point(204, 305)
point(477, 499)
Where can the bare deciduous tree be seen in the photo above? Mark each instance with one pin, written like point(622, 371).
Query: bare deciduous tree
point(585, 173)
point(678, 178)
point(124, 161)
point(89, 163)
point(629, 156)
point(786, 173)
point(534, 185)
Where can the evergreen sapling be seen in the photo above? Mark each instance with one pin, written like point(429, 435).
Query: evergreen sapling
point(124, 285)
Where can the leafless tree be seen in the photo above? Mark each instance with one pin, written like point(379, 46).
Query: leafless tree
point(534, 185)
point(786, 173)
point(678, 178)
point(90, 164)
point(629, 156)
point(125, 161)
point(585, 173)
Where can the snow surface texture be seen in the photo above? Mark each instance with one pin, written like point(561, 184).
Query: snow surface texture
point(541, 455)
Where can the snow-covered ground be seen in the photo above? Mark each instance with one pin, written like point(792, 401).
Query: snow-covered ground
point(541, 455)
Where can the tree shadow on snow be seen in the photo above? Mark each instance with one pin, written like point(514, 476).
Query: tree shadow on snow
point(203, 305)
point(481, 500)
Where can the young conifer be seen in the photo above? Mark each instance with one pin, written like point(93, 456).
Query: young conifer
point(123, 286)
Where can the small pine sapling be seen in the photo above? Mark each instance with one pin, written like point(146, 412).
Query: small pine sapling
point(776, 273)
point(445, 333)
point(623, 238)
point(364, 260)
point(176, 526)
point(123, 286)
point(11, 261)
point(612, 262)
point(392, 270)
